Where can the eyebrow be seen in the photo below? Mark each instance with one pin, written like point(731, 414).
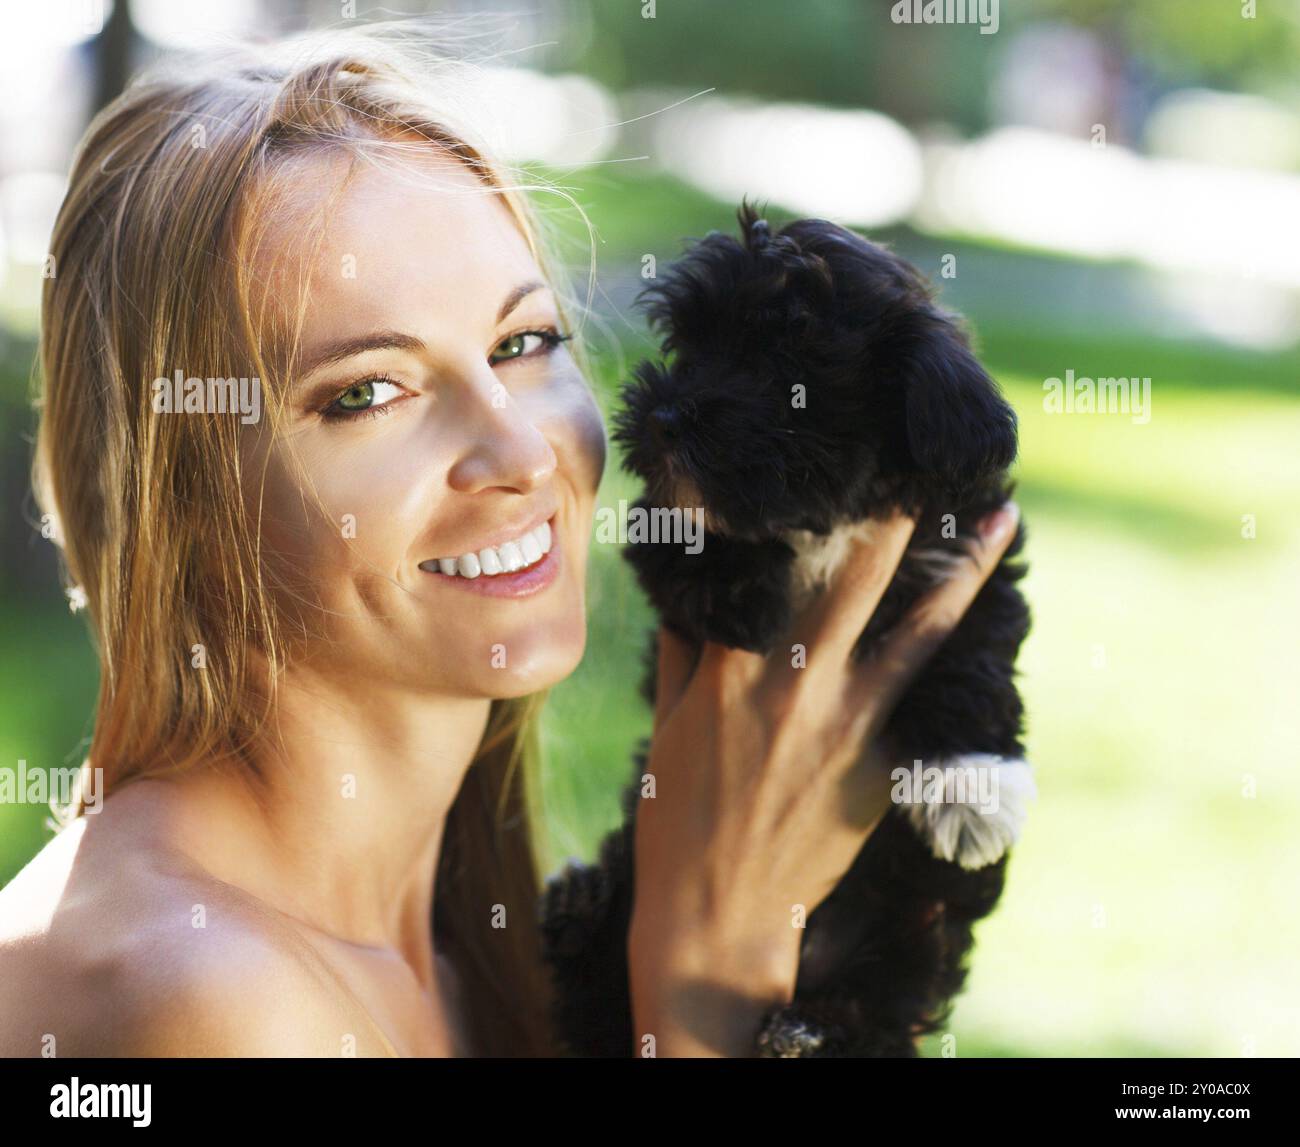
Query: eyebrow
point(517, 296)
point(336, 352)
point(346, 348)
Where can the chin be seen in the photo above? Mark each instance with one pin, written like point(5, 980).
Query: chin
point(534, 661)
point(498, 660)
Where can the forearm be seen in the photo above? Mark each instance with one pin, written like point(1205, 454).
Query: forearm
point(703, 995)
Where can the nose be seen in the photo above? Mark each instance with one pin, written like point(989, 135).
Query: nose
point(507, 451)
point(665, 424)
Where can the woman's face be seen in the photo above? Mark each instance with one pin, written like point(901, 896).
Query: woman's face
point(446, 435)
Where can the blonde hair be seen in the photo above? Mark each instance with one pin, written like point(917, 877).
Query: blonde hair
point(151, 250)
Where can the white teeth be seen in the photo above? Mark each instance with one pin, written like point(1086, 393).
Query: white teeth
point(512, 557)
point(523, 551)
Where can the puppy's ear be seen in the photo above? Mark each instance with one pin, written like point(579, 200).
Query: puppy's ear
point(959, 427)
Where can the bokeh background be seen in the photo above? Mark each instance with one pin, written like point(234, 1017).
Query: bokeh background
point(1101, 186)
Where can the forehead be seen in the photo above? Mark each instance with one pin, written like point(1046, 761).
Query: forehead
point(415, 243)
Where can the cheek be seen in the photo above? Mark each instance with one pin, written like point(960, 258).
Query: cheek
point(346, 508)
point(571, 420)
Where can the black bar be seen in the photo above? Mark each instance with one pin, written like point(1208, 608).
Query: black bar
point(623, 1097)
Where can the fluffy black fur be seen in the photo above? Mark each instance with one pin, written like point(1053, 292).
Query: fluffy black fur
point(897, 413)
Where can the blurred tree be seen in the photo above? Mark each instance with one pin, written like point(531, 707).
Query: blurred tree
point(113, 54)
point(1212, 42)
point(849, 52)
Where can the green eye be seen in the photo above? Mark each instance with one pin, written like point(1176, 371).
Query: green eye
point(368, 397)
point(357, 397)
point(513, 347)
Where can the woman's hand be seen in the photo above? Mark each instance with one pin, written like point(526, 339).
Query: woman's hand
point(767, 785)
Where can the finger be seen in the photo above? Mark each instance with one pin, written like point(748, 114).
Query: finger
point(837, 618)
point(672, 672)
point(727, 663)
point(930, 621)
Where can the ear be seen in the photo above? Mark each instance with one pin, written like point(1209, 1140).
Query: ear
point(959, 427)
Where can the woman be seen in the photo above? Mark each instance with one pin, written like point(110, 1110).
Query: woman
point(324, 625)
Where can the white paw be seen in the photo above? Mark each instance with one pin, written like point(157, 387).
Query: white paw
point(970, 808)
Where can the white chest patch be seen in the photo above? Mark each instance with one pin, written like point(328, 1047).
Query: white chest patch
point(820, 556)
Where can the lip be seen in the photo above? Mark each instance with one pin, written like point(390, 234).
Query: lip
point(504, 534)
point(521, 583)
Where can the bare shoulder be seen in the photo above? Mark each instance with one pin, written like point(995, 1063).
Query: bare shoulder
point(104, 954)
point(243, 995)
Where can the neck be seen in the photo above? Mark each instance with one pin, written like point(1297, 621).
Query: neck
point(344, 827)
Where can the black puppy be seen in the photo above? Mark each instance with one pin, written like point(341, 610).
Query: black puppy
point(810, 387)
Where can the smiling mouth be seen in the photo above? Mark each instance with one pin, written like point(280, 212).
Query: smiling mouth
point(510, 557)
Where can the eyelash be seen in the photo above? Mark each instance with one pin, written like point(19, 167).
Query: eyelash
point(551, 338)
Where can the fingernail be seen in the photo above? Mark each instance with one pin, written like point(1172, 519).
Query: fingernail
point(995, 526)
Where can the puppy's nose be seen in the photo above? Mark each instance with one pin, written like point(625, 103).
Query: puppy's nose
point(665, 424)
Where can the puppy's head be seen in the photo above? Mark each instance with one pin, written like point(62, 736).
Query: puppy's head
point(807, 378)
